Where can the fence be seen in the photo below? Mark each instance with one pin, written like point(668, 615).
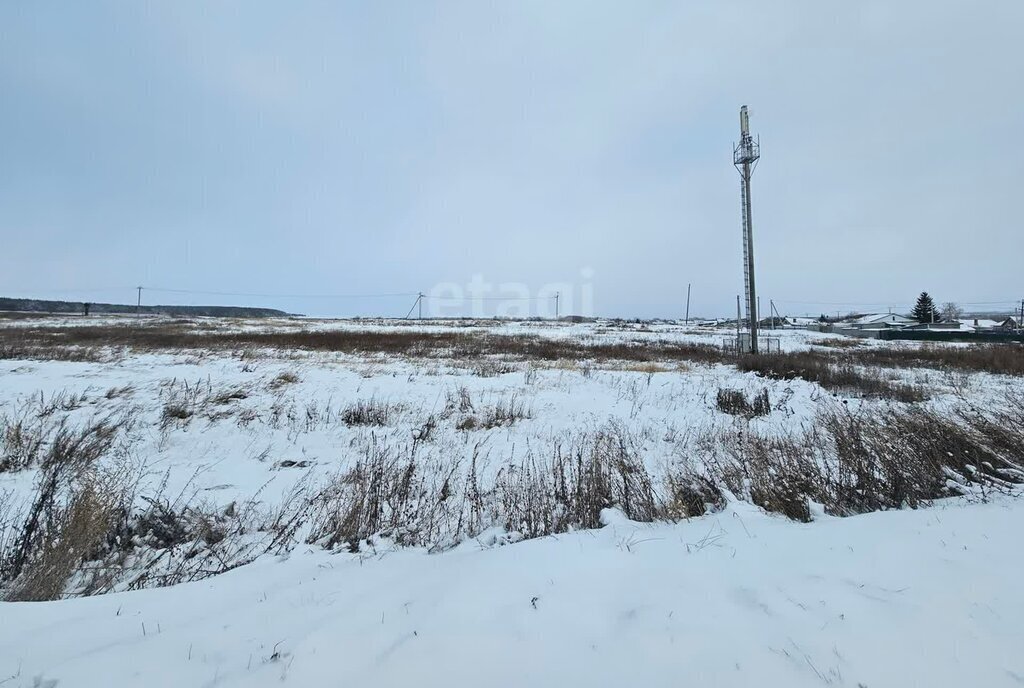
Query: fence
point(741, 344)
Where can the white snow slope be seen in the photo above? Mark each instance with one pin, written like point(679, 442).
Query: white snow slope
point(737, 598)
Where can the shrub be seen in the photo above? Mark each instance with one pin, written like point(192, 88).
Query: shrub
point(72, 535)
point(367, 412)
point(597, 473)
point(432, 502)
point(73, 505)
point(503, 413)
point(839, 343)
point(1004, 359)
point(47, 442)
point(691, 495)
point(283, 380)
point(735, 402)
point(831, 373)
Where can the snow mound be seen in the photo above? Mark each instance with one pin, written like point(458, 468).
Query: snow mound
point(736, 598)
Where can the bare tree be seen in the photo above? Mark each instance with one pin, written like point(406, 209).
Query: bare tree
point(951, 311)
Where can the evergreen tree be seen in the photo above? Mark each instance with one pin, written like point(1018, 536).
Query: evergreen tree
point(924, 309)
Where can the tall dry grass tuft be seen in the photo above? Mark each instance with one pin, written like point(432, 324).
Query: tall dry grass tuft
point(736, 403)
point(435, 502)
point(73, 533)
point(831, 372)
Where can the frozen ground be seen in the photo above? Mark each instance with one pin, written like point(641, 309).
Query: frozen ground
point(736, 597)
point(911, 598)
point(229, 449)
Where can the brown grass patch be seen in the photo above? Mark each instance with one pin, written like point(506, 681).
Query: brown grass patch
point(465, 346)
point(831, 372)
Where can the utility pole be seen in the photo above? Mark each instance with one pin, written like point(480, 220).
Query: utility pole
point(557, 295)
point(138, 304)
point(771, 312)
point(688, 303)
point(418, 302)
point(744, 157)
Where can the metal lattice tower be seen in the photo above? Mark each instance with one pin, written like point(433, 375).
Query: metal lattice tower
point(745, 156)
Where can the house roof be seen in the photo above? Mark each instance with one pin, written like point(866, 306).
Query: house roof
point(980, 323)
point(880, 319)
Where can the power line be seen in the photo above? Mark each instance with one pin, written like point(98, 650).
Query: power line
point(490, 298)
point(280, 296)
point(888, 303)
point(104, 290)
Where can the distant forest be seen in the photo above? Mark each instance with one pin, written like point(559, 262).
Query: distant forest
point(38, 306)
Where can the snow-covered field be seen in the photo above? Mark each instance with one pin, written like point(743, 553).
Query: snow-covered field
point(739, 598)
point(736, 596)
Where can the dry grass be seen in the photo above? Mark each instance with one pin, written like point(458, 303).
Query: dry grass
point(367, 412)
point(49, 352)
point(880, 458)
point(392, 494)
point(486, 353)
point(80, 534)
point(73, 505)
point(73, 534)
point(650, 367)
point(736, 403)
point(836, 343)
point(1003, 359)
point(84, 533)
point(832, 373)
point(283, 380)
point(41, 442)
point(850, 463)
point(503, 413)
point(467, 346)
point(184, 400)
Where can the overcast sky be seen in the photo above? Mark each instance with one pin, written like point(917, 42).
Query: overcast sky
point(325, 148)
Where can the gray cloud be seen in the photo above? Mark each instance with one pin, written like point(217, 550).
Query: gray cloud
point(329, 149)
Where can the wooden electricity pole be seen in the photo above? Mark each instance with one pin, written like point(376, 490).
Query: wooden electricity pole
point(688, 303)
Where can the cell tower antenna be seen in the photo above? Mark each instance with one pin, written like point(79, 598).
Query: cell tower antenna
point(745, 155)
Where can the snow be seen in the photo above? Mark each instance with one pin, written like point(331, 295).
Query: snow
point(880, 319)
point(224, 459)
point(235, 461)
point(734, 598)
point(738, 598)
point(972, 324)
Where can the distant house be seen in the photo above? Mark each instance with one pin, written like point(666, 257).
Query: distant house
point(767, 323)
point(942, 326)
point(987, 325)
point(879, 321)
point(978, 324)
